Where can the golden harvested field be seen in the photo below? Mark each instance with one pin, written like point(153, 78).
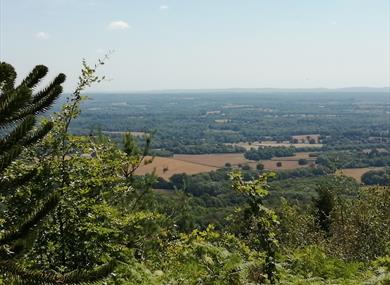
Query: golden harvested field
point(357, 173)
point(215, 160)
point(165, 167)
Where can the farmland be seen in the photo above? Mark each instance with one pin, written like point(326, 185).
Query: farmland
point(215, 160)
point(201, 131)
point(201, 122)
point(165, 167)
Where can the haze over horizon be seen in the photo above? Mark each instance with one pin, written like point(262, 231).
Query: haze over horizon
point(171, 44)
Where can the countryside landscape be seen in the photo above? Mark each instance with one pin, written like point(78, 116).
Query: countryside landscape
point(167, 142)
point(223, 132)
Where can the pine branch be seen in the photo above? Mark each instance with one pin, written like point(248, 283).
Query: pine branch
point(7, 76)
point(46, 91)
point(34, 76)
point(90, 277)
point(8, 185)
point(17, 134)
point(21, 274)
point(18, 249)
point(38, 134)
point(41, 106)
point(7, 157)
point(24, 229)
point(11, 103)
point(35, 277)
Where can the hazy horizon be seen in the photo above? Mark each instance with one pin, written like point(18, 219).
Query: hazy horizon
point(384, 89)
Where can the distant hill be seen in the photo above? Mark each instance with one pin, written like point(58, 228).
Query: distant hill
point(281, 90)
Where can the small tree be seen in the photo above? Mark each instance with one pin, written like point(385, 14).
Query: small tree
point(260, 166)
point(246, 167)
point(302, 161)
point(256, 223)
point(323, 206)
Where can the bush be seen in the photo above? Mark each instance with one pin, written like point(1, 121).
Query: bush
point(376, 177)
point(246, 167)
point(302, 161)
point(260, 166)
point(312, 261)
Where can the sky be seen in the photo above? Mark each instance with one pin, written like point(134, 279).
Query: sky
point(202, 44)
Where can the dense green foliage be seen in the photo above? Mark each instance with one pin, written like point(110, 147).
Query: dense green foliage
point(354, 159)
point(269, 152)
point(376, 177)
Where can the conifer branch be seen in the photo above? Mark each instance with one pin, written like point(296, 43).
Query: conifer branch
point(33, 277)
point(24, 229)
point(49, 89)
point(8, 185)
point(34, 76)
point(11, 103)
point(17, 134)
point(41, 106)
point(38, 134)
point(7, 76)
point(7, 157)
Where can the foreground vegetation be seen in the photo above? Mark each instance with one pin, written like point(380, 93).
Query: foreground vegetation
point(108, 225)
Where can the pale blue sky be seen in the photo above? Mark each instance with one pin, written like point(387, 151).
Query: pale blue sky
point(187, 44)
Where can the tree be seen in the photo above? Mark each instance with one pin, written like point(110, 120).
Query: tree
point(323, 206)
point(18, 111)
point(256, 223)
point(260, 166)
point(246, 167)
point(302, 161)
point(376, 177)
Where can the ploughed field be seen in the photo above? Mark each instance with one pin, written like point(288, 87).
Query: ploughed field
point(165, 167)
